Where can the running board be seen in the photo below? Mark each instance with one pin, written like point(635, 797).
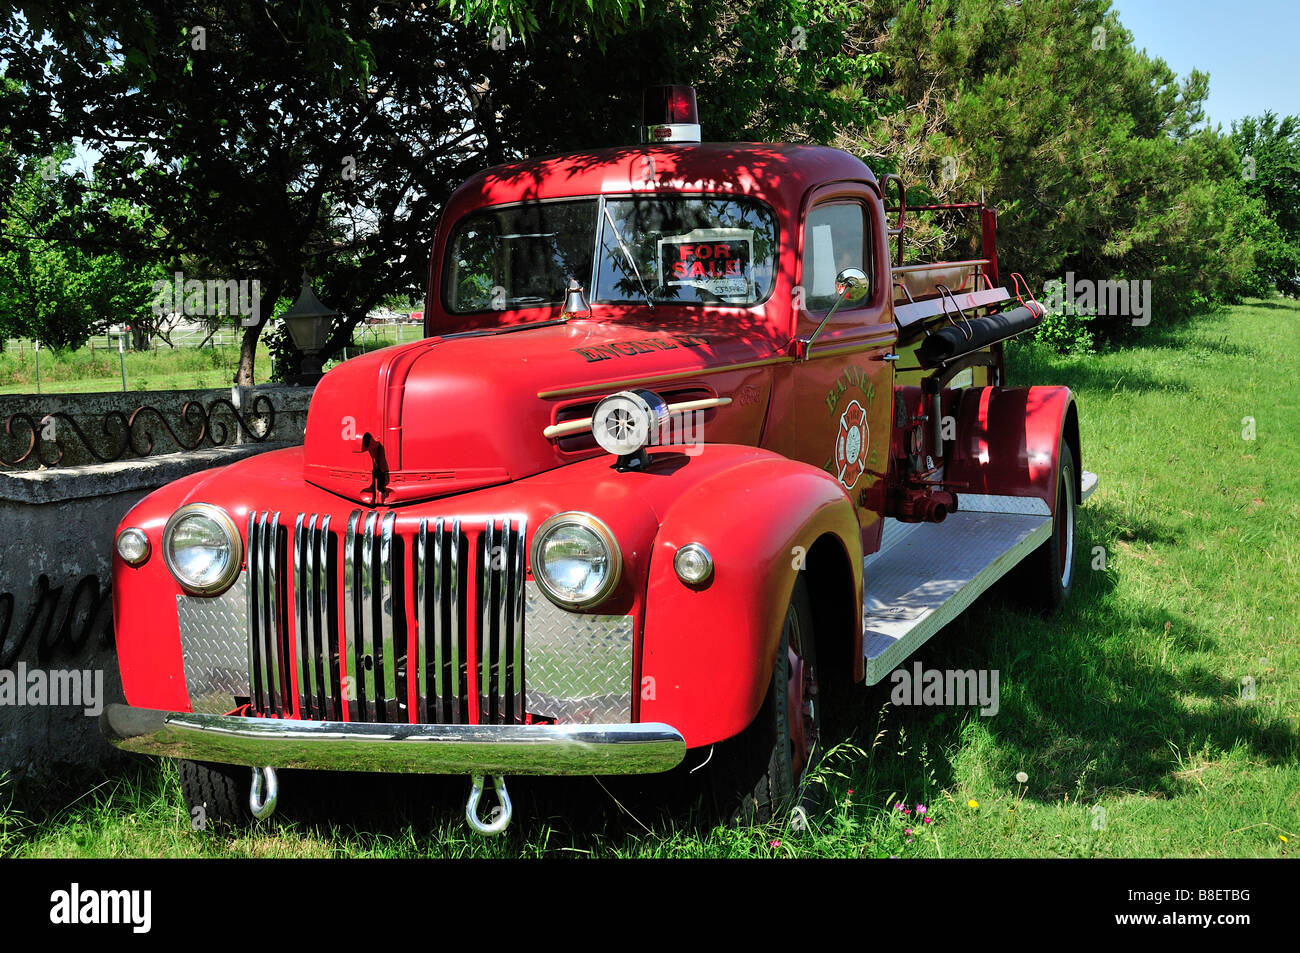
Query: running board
point(926, 574)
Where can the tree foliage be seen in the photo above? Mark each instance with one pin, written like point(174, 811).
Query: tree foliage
point(1096, 155)
point(254, 141)
point(1269, 149)
point(273, 137)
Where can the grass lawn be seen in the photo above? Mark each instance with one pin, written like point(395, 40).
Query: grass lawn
point(98, 369)
point(1125, 716)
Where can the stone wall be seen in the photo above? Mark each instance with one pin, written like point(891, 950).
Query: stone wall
point(56, 535)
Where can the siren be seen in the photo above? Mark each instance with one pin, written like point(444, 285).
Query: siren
point(669, 114)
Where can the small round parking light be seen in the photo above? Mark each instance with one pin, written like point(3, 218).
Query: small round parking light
point(694, 565)
point(133, 546)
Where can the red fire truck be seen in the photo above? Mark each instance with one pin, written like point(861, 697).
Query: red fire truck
point(686, 446)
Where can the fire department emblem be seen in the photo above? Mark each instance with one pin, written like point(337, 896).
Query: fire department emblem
point(851, 444)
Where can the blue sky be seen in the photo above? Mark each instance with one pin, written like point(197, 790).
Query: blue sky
point(1250, 48)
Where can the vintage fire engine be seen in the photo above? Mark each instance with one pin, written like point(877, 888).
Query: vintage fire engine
point(686, 446)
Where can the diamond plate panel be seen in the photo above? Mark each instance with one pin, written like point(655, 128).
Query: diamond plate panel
point(214, 645)
point(929, 578)
point(577, 666)
point(983, 503)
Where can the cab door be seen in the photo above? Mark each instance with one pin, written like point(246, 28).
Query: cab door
point(843, 380)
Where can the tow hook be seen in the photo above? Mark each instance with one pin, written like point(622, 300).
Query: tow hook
point(265, 793)
point(501, 814)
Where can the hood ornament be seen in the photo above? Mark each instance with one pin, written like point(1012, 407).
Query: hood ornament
point(366, 443)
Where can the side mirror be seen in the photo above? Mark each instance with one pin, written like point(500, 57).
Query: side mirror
point(851, 285)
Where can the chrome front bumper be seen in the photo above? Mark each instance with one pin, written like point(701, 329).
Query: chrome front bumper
point(406, 749)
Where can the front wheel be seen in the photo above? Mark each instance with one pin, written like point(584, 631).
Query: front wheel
point(759, 775)
point(216, 795)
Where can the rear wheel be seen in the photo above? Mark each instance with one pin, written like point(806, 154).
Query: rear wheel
point(216, 794)
point(1051, 566)
point(759, 775)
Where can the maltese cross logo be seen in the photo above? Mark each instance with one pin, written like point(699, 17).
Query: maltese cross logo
point(851, 444)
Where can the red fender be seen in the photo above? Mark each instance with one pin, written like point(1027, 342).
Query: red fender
point(1009, 440)
point(708, 651)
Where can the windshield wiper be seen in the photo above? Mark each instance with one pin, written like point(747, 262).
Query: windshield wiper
point(630, 260)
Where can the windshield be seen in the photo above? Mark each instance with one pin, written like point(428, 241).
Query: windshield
point(682, 250)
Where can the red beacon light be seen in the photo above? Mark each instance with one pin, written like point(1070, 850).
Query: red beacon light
point(669, 114)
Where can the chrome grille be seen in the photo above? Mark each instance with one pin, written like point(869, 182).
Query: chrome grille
point(315, 589)
point(441, 562)
point(462, 583)
point(374, 634)
point(268, 660)
point(501, 623)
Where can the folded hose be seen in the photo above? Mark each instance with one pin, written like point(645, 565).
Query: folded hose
point(954, 340)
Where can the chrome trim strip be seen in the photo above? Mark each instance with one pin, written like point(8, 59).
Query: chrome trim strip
point(254, 641)
point(349, 655)
point(440, 631)
point(271, 540)
point(460, 687)
point(391, 703)
point(681, 407)
point(264, 581)
point(413, 749)
point(487, 666)
point(421, 626)
point(326, 611)
point(370, 654)
point(517, 619)
point(301, 629)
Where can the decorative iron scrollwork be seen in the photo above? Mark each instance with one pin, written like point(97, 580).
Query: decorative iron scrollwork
point(124, 436)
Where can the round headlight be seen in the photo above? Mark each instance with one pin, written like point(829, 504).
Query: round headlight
point(133, 546)
point(202, 549)
point(629, 421)
point(693, 563)
point(575, 560)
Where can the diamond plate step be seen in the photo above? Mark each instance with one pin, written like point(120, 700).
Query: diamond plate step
point(926, 574)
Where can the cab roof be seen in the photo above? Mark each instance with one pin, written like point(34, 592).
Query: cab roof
point(779, 174)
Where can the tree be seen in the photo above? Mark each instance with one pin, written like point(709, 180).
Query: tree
point(1269, 151)
point(281, 136)
point(51, 291)
point(1095, 154)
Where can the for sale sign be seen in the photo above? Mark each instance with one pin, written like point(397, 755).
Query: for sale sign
point(716, 260)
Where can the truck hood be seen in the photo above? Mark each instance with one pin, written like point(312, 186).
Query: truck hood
point(448, 414)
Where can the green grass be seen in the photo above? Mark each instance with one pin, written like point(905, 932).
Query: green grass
point(99, 369)
point(1124, 712)
point(92, 371)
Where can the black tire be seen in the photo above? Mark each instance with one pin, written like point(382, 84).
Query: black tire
point(216, 795)
point(1050, 568)
point(758, 776)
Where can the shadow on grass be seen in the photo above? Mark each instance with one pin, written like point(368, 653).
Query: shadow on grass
point(1081, 711)
point(1039, 365)
point(1270, 305)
